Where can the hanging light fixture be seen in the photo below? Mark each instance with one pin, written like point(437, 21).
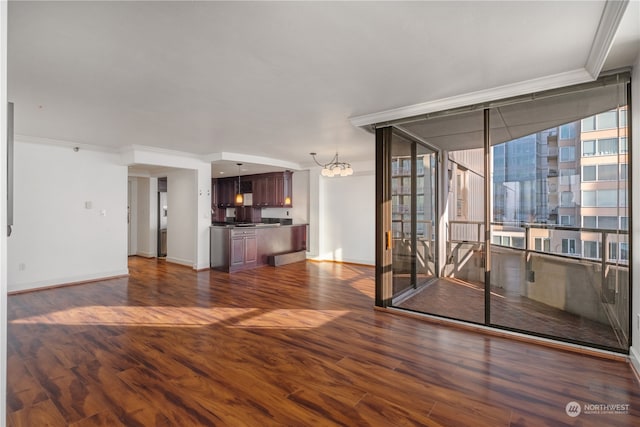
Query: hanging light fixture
point(239, 196)
point(335, 167)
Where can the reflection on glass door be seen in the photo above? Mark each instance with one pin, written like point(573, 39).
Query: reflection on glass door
point(459, 290)
point(413, 187)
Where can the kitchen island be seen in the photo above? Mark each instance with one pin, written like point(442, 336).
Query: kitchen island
point(244, 246)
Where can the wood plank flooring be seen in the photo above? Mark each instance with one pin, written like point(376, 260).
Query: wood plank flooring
point(297, 345)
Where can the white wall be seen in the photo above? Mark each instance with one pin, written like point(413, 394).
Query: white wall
point(315, 197)
point(203, 219)
point(635, 196)
point(132, 205)
point(3, 210)
point(347, 218)
point(70, 216)
point(181, 217)
point(300, 197)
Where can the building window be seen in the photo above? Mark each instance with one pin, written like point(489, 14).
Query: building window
point(589, 222)
point(607, 147)
point(567, 131)
point(623, 171)
point(589, 198)
point(601, 147)
point(589, 124)
point(567, 154)
point(590, 249)
point(589, 173)
point(568, 246)
point(624, 223)
point(623, 198)
point(501, 240)
point(542, 244)
point(603, 198)
point(607, 172)
point(589, 148)
point(601, 172)
point(607, 120)
point(613, 250)
point(517, 242)
point(566, 199)
point(566, 176)
point(624, 251)
point(607, 198)
point(624, 148)
point(567, 220)
point(608, 222)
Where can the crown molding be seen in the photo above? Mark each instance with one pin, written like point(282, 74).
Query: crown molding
point(605, 34)
point(514, 89)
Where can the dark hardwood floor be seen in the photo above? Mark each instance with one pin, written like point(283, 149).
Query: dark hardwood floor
point(297, 345)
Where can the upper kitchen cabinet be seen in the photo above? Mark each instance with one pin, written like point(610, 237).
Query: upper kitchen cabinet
point(226, 192)
point(272, 189)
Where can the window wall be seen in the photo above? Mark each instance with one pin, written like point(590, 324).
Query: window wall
point(555, 169)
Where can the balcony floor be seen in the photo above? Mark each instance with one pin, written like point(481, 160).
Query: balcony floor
point(463, 300)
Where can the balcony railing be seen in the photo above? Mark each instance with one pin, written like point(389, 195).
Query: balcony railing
point(592, 287)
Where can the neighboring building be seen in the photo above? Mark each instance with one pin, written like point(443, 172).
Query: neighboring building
point(573, 176)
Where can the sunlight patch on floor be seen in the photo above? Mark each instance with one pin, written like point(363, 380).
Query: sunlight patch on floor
point(291, 319)
point(185, 317)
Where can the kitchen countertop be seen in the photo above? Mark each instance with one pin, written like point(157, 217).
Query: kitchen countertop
point(256, 225)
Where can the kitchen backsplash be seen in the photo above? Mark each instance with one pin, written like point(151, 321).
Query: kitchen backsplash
point(266, 212)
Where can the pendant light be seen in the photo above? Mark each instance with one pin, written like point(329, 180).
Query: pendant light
point(239, 196)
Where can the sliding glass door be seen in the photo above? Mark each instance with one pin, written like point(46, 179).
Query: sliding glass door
point(413, 219)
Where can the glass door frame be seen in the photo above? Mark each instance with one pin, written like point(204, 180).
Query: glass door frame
point(384, 215)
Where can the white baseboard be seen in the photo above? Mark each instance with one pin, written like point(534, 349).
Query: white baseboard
point(66, 281)
point(634, 358)
point(146, 254)
point(180, 261)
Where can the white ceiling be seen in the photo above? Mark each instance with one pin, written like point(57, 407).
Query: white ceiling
point(277, 79)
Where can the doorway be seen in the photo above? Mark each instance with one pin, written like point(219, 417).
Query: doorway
point(163, 213)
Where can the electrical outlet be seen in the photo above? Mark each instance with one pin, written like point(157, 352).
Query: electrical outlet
point(22, 266)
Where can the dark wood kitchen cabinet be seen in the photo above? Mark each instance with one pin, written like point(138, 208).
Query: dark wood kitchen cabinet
point(236, 248)
point(262, 190)
point(272, 189)
point(226, 192)
point(244, 249)
point(268, 190)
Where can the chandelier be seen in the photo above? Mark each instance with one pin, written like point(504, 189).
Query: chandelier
point(335, 167)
